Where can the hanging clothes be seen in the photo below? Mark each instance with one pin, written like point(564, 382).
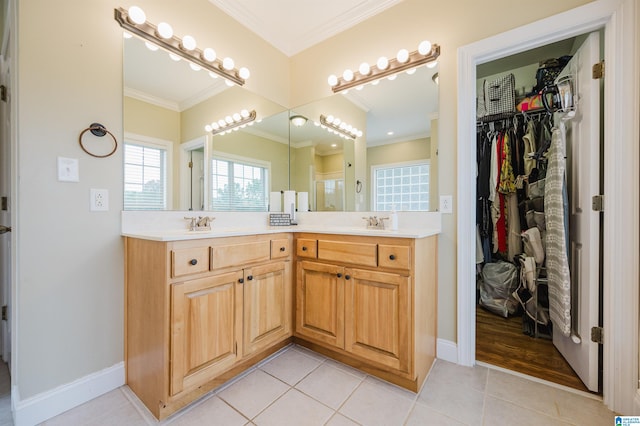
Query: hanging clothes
point(556, 213)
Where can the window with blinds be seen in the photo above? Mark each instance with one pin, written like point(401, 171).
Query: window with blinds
point(145, 177)
point(402, 187)
point(239, 185)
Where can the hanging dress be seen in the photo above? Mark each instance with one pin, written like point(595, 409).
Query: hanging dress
point(556, 218)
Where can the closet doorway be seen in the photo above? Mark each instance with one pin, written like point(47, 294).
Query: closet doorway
point(535, 317)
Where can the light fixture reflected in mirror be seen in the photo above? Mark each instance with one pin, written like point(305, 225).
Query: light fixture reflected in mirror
point(427, 53)
point(298, 120)
point(231, 122)
point(135, 21)
point(339, 127)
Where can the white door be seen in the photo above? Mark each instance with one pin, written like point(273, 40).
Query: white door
point(5, 212)
point(583, 180)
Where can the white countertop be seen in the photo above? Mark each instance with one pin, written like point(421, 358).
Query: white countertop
point(171, 226)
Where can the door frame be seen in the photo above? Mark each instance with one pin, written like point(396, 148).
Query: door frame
point(621, 226)
point(184, 171)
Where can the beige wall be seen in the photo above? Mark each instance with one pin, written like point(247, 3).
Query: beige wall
point(70, 305)
point(150, 120)
point(451, 25)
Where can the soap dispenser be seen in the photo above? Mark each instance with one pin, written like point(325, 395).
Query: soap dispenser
point(393, 218)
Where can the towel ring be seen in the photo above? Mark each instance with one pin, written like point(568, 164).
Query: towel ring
point(99, 130)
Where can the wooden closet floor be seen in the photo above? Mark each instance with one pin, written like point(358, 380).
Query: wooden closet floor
point(500, 342)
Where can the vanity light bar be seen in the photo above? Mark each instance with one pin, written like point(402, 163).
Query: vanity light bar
point(231, 122)
point(404, 61)
point(339, 127)
point(134, 21)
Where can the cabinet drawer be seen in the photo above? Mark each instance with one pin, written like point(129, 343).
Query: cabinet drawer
point(280, 248)
point(397, 257)
point(189, 261)
point(240, 254)
point(346, 252)
point(307, 248)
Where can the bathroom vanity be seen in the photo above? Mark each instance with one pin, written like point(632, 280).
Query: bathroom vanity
point(200, 309)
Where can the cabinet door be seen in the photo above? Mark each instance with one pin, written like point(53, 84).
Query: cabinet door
point(205, 322)
point(377, 317)
point(320, 302)
point(267, 305)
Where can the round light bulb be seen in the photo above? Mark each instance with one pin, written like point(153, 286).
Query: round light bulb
point(315, 123)
point(332, 80)
point(365, 68)
point(222, 123)
point(330, 119)
point(127, 35)
point(235, 129)
point(213, 74)
point(137, 15)
point(237, 117)
point(208, 128)
point(347, 75)
point(209, 54)
point(337, 121)
point(152, 47)
point(343, 125)
point(229, 83)
point(215, 125)
point(375, 82)
point(174, 57)
point(411, 71)
point(432, 64)
point(360, 87)
point(228, 119)
point(349, 128)
point(424, 48)
point(188, 43)
point(392, 77)
point(402, 56)
point(195, 67)
point(244, 73)
point(382, 63)
point(228, 64)
point(164, 30)
point(244, 113)
point(359, 133)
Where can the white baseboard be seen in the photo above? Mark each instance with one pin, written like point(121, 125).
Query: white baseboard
point(447, 350)
point(46, 405)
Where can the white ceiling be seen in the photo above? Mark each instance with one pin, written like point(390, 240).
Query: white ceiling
point(404, 106)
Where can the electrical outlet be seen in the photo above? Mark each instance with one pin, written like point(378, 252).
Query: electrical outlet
point(99, 200)
point(446, 204)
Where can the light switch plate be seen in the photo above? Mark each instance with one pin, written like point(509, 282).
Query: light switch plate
point(68, 170)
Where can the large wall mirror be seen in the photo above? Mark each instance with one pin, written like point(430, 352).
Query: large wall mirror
point(172, 163)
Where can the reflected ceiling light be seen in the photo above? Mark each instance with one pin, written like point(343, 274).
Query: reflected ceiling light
point(298, 120)
point(427, 53)
point(135, 22)
point(339, 127)
point(231, 122)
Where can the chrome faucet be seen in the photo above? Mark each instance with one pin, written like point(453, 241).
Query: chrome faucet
point(375, 222)
point(201, 223)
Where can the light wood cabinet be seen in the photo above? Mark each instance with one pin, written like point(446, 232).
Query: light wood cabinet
point(369, 304)
point(199, 312)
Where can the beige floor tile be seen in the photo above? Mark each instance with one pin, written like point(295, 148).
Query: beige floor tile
point(329, 385)
point(340, 420)
point(498, 412)
point(565, 405)
point(446, 373)
point(309, 352)
point(375, 402)
point(347, 369)
point(294, 408)
point(421, 415)
point(291, 366)
point(212, 412)
point(451, 391)
point(253, 393)
point(112, 408)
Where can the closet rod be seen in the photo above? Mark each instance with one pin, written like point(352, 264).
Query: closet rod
point(498, 117)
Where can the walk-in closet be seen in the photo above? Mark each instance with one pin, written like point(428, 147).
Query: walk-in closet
point(538, 187)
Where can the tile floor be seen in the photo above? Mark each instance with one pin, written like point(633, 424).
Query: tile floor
point(299, 387)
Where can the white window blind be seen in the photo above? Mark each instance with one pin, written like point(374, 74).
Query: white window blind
point(145, 177)
point(238, 185)
point(403, 187)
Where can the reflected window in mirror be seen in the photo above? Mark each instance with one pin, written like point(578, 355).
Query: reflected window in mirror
point(401, 187)
point(146, 175)
point(239, 184)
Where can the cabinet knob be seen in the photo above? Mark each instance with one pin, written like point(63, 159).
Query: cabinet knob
point(250, 277)
point(347, 277)
point(241, 280)
point(193, 261)
point(339, 275)
point(304, 248)
point(282, 249)
point(392, 257)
